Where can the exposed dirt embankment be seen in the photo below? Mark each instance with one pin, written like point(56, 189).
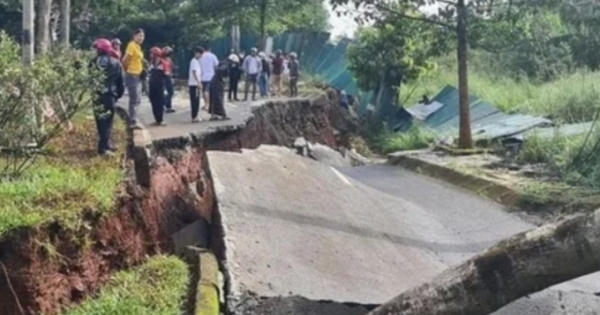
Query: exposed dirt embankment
point(280, 123)
point(49, 267)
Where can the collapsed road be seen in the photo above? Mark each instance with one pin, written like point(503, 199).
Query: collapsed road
point(303, 237)
point(296, 227)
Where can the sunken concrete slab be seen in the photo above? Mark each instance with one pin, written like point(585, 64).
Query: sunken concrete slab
point(295, 226)
point(179, 123)
point(298, 232)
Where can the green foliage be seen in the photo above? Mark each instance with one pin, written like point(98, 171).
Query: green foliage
point(399, 50)
point(282, 16)
point(574, 160)
point(387, 141)
point(557, 151)
point(158, 287)
point(184, 24)
point(535, 45)
point(56, 193)
point(37, 101)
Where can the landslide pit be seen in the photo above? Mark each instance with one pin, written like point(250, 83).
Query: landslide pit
point(38, 280)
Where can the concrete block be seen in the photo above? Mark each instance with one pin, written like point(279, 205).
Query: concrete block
point(207, 299)
point(141, 157)
point(195, 234)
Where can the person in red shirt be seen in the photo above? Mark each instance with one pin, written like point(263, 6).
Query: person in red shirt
point(277, 65)
point(167, 52)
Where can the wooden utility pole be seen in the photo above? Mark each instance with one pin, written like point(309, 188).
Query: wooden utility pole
point(65, 23)
point(465, 140)
point(27, 46)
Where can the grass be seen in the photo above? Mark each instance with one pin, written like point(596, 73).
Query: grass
point(64, 183)
point(557, 151)
point(156, 288)
point(574, 161)
point(572, 98)
point(387, 141)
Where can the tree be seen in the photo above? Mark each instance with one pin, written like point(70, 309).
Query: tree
point(513, 268)
point(65, 22)
point(530, 43)
point(42, 34)
point(391, 52)
point(451, 16)
point(183, 23)
point(277, 16)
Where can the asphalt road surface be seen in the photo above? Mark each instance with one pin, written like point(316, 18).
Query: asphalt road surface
point(298, 227)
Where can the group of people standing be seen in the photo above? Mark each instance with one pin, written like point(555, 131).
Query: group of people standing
point(266, 72)
point(205, 81)
point(131, 71)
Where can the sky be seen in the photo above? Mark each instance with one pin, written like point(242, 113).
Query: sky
point(341, 26)
point(346, 25)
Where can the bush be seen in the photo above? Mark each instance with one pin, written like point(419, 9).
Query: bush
point(573, 159)
point(387, 141)
point(37, 102)
point(158, 287)
point(558, 151)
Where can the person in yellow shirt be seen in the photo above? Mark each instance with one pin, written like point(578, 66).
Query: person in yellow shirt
point(133, 64)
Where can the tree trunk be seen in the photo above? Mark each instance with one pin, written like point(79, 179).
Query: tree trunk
point(28, 32)
point(42, 40)
point(263, 22)
point(65, 23)
point(516, 267)
point(465, 141)
point(54, 24)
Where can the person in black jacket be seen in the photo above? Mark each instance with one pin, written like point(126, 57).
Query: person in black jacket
point(216, 95)
point(156, 85)
point(235, 73)
point(109, 92)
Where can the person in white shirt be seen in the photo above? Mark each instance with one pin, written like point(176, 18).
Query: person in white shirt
point(286, 69)
point(252, 67)
point(208, 64)
point(195, 83)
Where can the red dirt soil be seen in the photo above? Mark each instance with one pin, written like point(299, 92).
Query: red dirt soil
point(141, 227)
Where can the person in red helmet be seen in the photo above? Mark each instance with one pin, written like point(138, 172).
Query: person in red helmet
point(156, 84)
point(116, 45)
point(109, 92)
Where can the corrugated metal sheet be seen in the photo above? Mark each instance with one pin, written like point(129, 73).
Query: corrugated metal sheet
point(509, 126)
point(564, 130)
point(487, 121)
point(479, 110)
point(449, 97)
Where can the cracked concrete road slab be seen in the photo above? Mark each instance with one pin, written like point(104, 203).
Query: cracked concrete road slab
point(298, 227)
point(180, 123)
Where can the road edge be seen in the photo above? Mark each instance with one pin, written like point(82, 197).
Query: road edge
point(481, 186)
point(503, 194)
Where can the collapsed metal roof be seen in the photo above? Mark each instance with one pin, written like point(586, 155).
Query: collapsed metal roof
point(487, 121)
